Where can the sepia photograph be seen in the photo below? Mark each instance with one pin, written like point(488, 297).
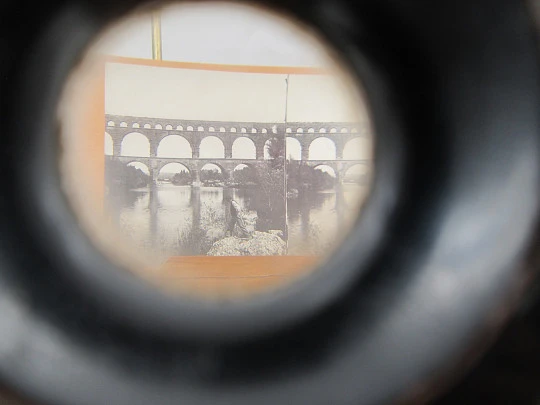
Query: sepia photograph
point(187, 186)
point(224, 165)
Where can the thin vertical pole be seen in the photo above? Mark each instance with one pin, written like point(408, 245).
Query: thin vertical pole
point(285, 183)
point(156, 36)
point(286, 96)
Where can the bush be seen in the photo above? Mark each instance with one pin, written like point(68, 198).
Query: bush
point(120, 175)
point(301, 177)
point(181, 179)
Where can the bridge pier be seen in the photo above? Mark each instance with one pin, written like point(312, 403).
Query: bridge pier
point(154, 173)
point(195, 151)
point(196, 178)
point(228, 150)
point(259, 151)
point(154, 143)
point(195, 202)
point(226, 174)
point(304, 152)
point(117, 146)
point(153, 207)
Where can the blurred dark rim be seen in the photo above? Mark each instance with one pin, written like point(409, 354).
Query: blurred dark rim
point(441, 244)
point(134, 302)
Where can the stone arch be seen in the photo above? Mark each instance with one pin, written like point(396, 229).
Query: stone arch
point(233, 129)
point(173, 167)
point(311, 130)
point(169, 171)
point(189, 128)
point(147, 126)
point(211, 147)
point(354, 130)
point(327, 168)
point(123, 124)
point(322, 148)
point(333, 130)
point(253, 130)
point(322, 130)
point(330, 171)
point(293, 149)
point(200, 129)
point(139, 165)
point(212, 173)
point(108, 144)
point(264, 131)
point(135, 144)
point(179, 128)
point(344, 130)
point(212, 166)
point(243, 130)
point(242, 165)
point(299, 130)
point(221, 129)
point(244, 148)
point(158, 126)
point(168, 127)
point(357, 149)
point(135, 125)
point(288, 131)
point(174, 146)
point(111, 124)
point(244, 173)
point(211, 129)
point(357, 174)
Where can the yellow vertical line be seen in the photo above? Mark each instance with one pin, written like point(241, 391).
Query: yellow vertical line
point(156, 36)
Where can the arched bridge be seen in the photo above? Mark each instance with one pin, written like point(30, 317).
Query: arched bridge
point(194, 132)
point(227, 166)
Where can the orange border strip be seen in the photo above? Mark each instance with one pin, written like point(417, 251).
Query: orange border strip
point(219, 67)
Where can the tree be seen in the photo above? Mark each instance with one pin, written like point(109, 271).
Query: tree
point(246, 176)
point(182, 178)
point(120, 175)
point(275, 149)
point(211, 175)
point(302, 177)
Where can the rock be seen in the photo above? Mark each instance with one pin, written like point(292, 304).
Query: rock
point(276, 232)
point(249, 221)
point(213, 234)
point(261, 244)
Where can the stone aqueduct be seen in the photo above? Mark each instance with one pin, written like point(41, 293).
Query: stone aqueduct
point(155, 130)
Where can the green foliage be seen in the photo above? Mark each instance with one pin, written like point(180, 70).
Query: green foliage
point(211, 175)
point(271, 180)
point(198, 240)
point(245, 176)
point(302, 177)
point(182, 178)
point(120, 175)
point(275, 148)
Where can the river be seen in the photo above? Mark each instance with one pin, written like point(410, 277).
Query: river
point(179, 220)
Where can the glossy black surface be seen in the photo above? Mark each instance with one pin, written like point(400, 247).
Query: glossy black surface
point(440, 255)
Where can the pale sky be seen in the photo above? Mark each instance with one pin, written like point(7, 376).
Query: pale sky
point(230, 34)
point(218, 32)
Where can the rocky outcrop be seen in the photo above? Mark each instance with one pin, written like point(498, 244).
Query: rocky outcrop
point(260, 244)
point(276, 232)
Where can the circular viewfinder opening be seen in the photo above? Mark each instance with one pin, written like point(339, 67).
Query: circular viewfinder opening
point(216, 150)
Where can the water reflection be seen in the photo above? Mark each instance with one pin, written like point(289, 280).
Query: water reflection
point(174, 220)
point(316, 220)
